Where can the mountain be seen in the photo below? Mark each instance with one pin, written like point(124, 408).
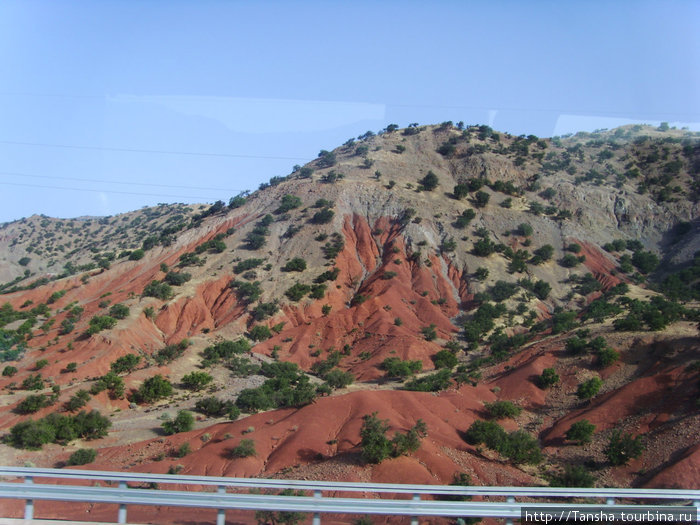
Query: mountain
point(478, 291)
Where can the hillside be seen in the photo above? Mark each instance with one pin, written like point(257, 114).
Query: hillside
point(420, 273)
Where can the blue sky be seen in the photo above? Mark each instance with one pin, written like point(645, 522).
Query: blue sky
point(112, 105)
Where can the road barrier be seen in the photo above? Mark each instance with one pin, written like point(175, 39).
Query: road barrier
point(500, 501)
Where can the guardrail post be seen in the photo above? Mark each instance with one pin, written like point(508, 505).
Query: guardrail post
point(610, 501)
point(221, 513)
point(510, 499)
point(414, 519)
point(121, 517)
point(29, 504)
point(317, 515)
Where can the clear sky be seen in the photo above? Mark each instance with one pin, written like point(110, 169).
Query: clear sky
point(108, 106)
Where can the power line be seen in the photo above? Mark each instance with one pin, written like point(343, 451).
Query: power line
point(107, 191)
point(158, 151)
point(117, 182)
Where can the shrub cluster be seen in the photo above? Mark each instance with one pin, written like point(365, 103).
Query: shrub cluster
point(376, 447)
point(213, 407)
point(519, 446)
point(432, 382)
point(171, 352)
point(396, 367)
point(287, 386)
point(58, 428)
point(153, 389)
point(183, 422)
point(224, 350)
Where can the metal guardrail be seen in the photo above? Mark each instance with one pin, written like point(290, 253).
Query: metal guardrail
point(316, 504)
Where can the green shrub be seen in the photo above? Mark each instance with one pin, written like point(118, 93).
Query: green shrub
point(460, 191)
point(623, 447)
point(32, 403)
point(287, 386)
point(137, 255)
point(41, 363)
point(33, 382)
point(87, 425)
point(159, 290)
point(503, 290)
point(486, 432)
point(431, 383)
point(183, 450)
point(295, 265)
point(519, 446)
point(548, 378)
point(111, 382)
point(607, 356)
point(264, 310)
point(31, 434)
point(289, 202)
point(429, 332)
point(569, 261)
point(171, 352)
point(576, 346)
point(541, 290)
point(153, 389)
point(332, 248)
point(177, 278)
point(524, 229)
point(481, 199)
point(253, 400)
point(429, 182)
point(77, 400)
point(125, 363)
point(395, 367)
point(71, 367)
point(563, 321)
point(9, 371)
point(213, 407)
point(338, 379)
point(247, 264)
point(464, 219)
point(481, 273)
point(224, 350)
point(376, 447)
point(581, 432)
point(544, 253)
point(589, 388)
point(323, 216)
point(259, 332)
point(575, 476)
point(101, 322)
point(82, 456)
point(183, 422)
point(196, 380)
point(503, 409)
point(645, 261)
point(445, 359)
point(318, 291)
point(247, 292)
point(119, 311)
point(297, 291)
point(244, 449)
